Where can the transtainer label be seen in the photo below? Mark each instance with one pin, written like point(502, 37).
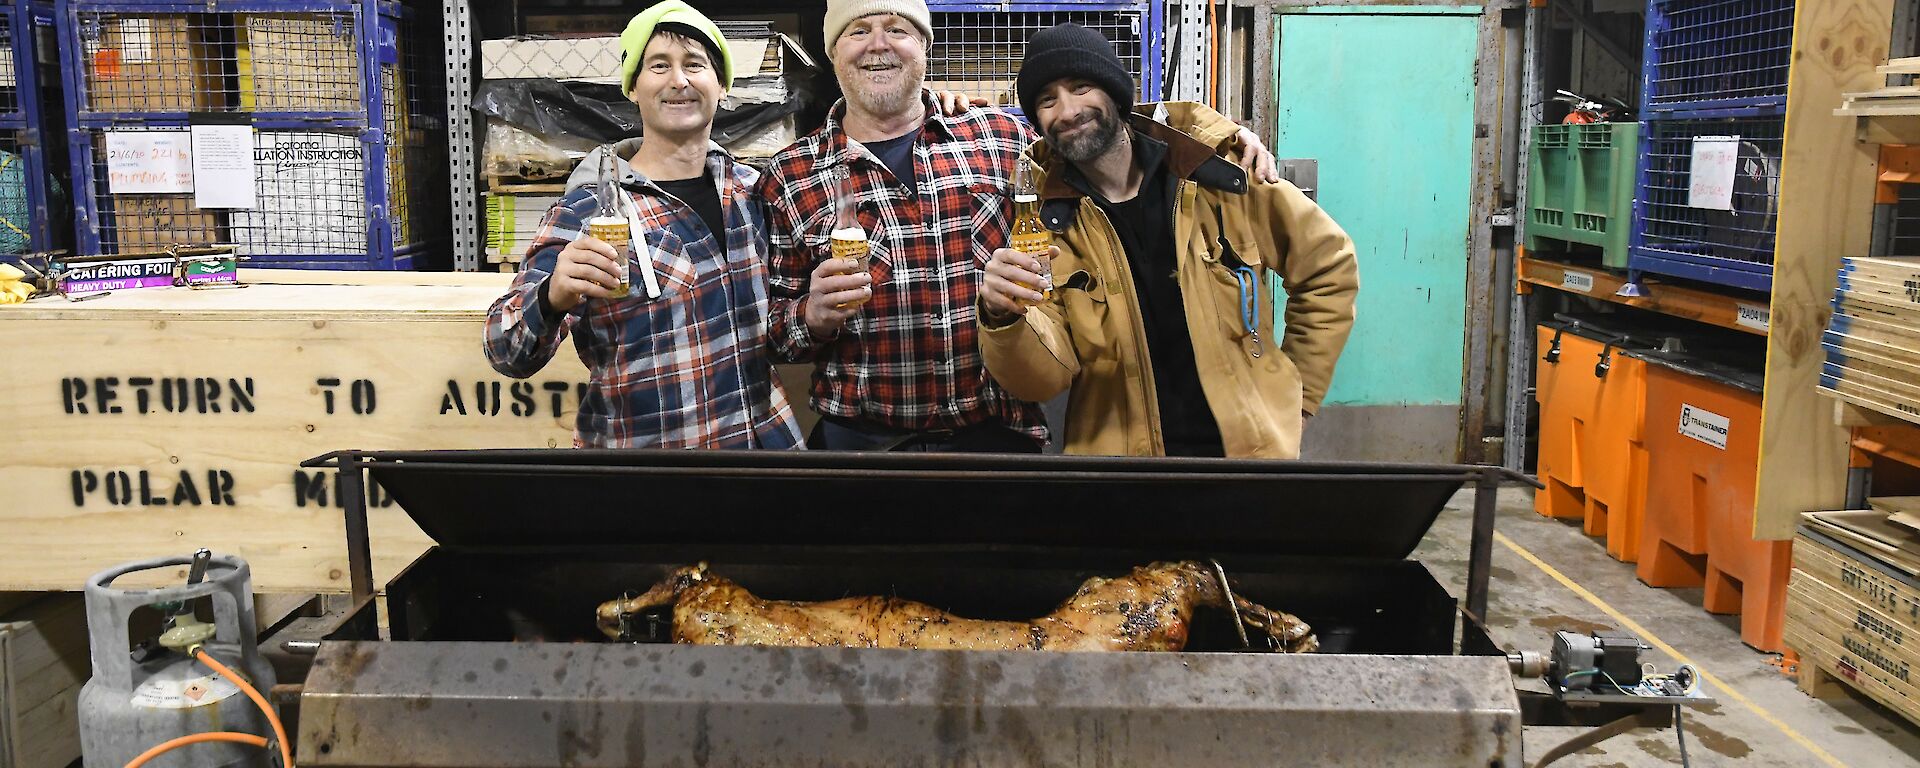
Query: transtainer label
point(1704, 425)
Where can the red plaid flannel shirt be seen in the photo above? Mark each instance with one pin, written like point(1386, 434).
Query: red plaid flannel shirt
point(911, 358)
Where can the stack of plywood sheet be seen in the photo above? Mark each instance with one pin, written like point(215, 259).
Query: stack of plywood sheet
point(1853, 602)
point(1872, 344)
point(1892, 100)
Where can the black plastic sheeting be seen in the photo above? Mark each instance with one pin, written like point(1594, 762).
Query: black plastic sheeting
point(599, 114)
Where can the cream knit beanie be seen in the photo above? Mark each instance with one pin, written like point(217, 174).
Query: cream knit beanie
point(840, 13)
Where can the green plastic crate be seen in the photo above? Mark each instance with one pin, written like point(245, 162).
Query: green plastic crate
point(1580, 188)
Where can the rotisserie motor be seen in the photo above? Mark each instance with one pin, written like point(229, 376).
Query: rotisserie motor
point(1149, 609)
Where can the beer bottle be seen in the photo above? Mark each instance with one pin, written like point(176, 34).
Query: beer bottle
point(609, 223)
point(1029, 235)
point(849, 238)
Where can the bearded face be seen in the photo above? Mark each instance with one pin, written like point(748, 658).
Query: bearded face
point(881, 62)
point(1079, 120)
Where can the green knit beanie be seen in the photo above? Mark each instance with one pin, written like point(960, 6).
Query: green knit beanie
point(681, 18)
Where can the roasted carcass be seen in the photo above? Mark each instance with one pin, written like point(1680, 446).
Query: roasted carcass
point(1149, 609)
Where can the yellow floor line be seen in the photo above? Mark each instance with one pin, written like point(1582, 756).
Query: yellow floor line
point(1634, 627)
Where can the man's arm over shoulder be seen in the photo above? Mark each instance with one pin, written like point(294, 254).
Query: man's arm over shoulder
point(523, 331)
point(1316, 262)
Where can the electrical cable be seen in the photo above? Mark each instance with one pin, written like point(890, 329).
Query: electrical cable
point(1680, 732)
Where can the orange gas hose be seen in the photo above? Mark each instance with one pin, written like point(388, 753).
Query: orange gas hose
point(279, 731)
point(197, 738)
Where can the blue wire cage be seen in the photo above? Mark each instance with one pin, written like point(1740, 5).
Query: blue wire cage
point(1732, 247)
point(343, 107)
point(1716, 58)
point(977, 46)
point(30, 197)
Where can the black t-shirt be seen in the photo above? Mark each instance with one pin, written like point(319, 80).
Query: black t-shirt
point(1145, 228)
point(897, 155)
point(703, 196)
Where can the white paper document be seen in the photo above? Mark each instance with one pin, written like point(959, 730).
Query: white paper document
point(223, 166)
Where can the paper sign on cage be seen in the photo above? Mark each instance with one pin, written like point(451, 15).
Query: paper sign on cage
point(1710, 177)
point(149, 162)
point(223, 165)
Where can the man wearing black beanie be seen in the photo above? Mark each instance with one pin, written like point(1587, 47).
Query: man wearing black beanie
point(1160, 321)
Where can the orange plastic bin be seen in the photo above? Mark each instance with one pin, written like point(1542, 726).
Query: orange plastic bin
point(1591, 456)
point(1703, 449)
point(1567, 393)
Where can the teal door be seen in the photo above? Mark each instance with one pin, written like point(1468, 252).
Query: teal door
point(1383, 97)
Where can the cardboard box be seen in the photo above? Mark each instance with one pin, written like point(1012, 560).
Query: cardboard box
point(43, 664)
point(154, 63)
point(156, 222)
point(597, 59)
point(298, 63)
point(765, 141)
point(575, 24)
point(583, 59)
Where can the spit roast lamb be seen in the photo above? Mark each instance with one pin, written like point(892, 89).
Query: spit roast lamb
point(1149, 609)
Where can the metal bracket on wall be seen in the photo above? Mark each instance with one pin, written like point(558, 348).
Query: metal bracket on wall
point(1303, 173)
point(456, 19)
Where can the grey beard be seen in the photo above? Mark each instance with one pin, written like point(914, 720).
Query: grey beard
point(1089, 147)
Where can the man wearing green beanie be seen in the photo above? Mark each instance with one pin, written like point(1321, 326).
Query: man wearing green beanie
point(683, 363)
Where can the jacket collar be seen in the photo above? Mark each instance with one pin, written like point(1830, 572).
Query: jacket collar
point(1185, 157)
point(836, 148)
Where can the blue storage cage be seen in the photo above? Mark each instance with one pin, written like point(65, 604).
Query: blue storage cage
point(977, 46)
point(1670, 237)
point(1716, 58)
point(337, 155)
point(30, 199)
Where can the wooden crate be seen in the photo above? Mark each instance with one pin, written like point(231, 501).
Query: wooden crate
point(386, 361)
point(1853, 621)
point(43, 663)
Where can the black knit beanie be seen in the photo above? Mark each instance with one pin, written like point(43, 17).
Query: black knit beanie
point(1071, 50)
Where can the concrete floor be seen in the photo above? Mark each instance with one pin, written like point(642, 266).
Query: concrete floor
point(1526, 606)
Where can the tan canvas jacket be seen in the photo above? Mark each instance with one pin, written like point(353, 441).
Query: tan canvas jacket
point(1090, 337)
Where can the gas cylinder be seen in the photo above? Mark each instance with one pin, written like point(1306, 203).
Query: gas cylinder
point(146, 691)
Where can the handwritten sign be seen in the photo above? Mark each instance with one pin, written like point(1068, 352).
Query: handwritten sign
point(1710, 178)
point(149, 162)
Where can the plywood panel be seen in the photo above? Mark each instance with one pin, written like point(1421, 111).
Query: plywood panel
point(1826, 210)
point(156, 422)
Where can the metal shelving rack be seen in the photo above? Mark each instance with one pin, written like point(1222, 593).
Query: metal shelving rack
point(301, 73)
point(28, 117)
point(1145, 36)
